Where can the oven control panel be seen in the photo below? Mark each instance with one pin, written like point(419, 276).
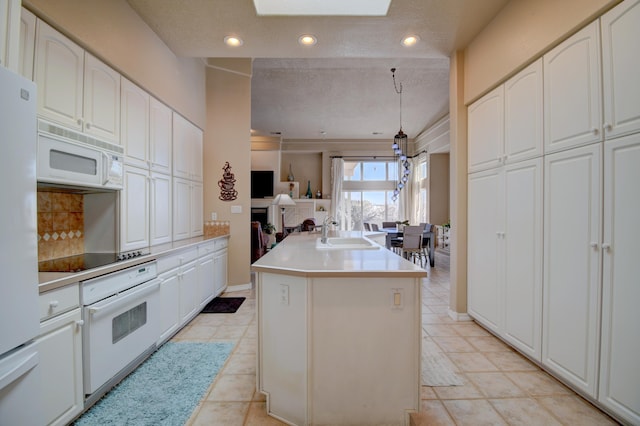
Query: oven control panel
point(110, 284)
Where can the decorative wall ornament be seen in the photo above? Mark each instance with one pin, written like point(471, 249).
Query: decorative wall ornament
point(226, 184)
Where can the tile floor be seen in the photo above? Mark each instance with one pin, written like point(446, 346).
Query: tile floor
point(501, 387)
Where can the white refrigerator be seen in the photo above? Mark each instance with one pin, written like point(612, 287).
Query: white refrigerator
point(20, 399)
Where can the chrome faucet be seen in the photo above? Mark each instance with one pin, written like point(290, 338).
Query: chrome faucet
point(329, 220)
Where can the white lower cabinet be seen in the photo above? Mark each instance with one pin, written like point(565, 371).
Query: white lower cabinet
point(220, 271)
point(189, 300)
point(620, 341)
point(60, 351)
point(505, 252)
point(571, 303)
point(206, 282)
point(169, 306)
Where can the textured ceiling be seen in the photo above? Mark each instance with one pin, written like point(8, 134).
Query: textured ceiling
point(341, 86)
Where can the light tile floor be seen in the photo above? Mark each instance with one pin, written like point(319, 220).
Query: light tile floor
point(501, 387)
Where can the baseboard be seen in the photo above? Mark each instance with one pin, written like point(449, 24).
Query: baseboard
point(459, 316)
point(238, 287)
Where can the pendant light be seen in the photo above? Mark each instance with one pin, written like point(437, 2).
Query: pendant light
point(400, 142)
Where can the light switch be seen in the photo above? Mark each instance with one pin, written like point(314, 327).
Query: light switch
point(236, 209)
point(284, 294)
point(214, 216)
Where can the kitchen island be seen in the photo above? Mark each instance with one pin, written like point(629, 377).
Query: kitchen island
point(339, 332)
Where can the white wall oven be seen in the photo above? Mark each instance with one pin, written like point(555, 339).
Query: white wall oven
point(121, 313)
point(70, 158)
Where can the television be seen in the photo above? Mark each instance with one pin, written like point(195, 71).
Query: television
point(261, 183)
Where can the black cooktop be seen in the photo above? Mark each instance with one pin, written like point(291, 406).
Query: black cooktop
point(78, 263)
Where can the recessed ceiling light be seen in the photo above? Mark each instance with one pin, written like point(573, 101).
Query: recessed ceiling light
point(233, 41)
point(307, 40)
point(410, 40)
point(323, 8)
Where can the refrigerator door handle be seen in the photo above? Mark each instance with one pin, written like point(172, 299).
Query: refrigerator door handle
point(14, 370)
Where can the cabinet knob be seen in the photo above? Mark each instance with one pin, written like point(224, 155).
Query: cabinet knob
point(608, 127)
point(53, 304)
point(79, 323)
point(606, 247)
point(593, 245)
point(79, 121)
point(88, 125)
point(595, 131)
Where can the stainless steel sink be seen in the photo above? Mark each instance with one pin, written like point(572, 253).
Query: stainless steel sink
point(346, 243)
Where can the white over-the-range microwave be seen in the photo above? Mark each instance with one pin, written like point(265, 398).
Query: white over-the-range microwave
point(65, 157)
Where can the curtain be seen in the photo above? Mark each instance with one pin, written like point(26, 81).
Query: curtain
point(337, 200)
point(417, 206)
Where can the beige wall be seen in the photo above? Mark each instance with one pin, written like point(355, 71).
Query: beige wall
point(111, 30)
point(438, 178)
point(306, 167)
point(521, 32)
point(228, 138)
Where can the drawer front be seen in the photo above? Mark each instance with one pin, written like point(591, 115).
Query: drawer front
point(221, 243)
point(172, 261)
point(57, 301)
point(206, 248)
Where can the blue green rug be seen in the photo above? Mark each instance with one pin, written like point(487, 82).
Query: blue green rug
point(164, 390)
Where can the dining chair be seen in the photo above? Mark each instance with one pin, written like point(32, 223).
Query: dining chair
point(388, 224)
point(374, 227)
point(367, 226)
point(412, 247)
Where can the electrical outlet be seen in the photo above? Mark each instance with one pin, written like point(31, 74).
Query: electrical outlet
point(397, 298)
point(214, 216)
point(284, 294)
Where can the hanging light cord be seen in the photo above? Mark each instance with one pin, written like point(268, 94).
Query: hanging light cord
point(400, 146)
point(398, 91)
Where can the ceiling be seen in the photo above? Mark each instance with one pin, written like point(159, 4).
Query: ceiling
point(341, 88)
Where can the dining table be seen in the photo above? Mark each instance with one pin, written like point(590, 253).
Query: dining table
point(427, 235)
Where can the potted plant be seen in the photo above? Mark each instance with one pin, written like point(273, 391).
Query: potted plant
point(401, 224)
point(268, 228)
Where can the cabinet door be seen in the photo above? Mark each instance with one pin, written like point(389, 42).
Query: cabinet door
point(134, 219)
point(160, 136)
point(170, 305)
point(619, 373)
point(486, 131)
point(572, 205)
point(59, 70)
point(9, 34)
point(523, 114)
point(195, 146)
point(188, 292)
point(220, 259)
point(101, 100)
point(206, 279)
point(196, 223)
point(485, 247)
point(572, 97)
point(27, 43)
point(60, 351)
point(181, 147)
point(523, 256)
point(181, 208)
point(134, 132)
point(620, 68)
point(161, 207)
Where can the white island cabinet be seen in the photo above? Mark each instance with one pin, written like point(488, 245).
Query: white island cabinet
point(339, 334)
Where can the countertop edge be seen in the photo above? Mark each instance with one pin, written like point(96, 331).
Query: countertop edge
point(342, 273)
point(53, 280)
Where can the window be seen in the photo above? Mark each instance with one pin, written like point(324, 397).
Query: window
point(367, 190)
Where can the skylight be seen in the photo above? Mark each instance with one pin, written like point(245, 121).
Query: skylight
point(322, 7)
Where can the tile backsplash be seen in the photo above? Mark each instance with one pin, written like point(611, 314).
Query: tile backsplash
point(60, 225)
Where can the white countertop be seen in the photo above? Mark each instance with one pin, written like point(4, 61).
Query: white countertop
point(52, 280)
point(297, 255)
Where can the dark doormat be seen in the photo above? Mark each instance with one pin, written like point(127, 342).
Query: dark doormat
point(223, 305)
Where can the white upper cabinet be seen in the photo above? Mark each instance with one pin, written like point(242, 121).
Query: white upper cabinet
point(486, 131)
point(505, 125)
point(134, 209)
point(76, 89)
point(187, 149)
point(161, 208)
point(572, 95)
point(571, 304)
point(10, 34)
point(620, 343)
point(621, 68)
point(160, 134)
point(523, 112)
point(135, 124)
point(27, 43)
point(101, 100)
point(59, 70)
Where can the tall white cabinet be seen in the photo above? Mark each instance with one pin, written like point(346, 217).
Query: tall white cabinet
point(571, 264)
point(9, 34)
point(583, 324)
point(505, 208)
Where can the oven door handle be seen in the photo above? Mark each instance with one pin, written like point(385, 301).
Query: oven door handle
point(118, 300)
